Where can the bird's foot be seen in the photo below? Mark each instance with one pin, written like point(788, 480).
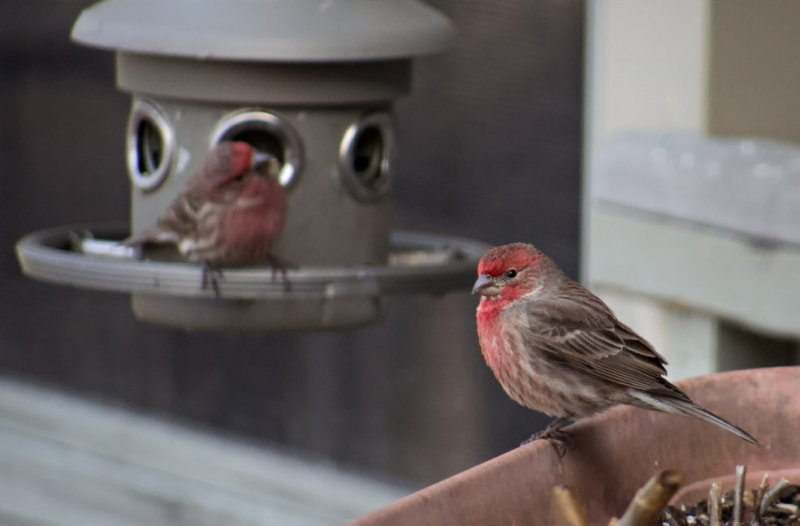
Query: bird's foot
point(212, 275)
point(562, 441)
point(279, 264)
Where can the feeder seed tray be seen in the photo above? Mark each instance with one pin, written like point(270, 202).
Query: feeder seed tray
point(254, 298)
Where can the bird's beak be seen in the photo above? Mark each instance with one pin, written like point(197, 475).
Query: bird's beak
point(260, 158)
point(485, 286)
point(262, 161)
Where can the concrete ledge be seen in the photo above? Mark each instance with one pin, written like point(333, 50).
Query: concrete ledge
point(66, 461)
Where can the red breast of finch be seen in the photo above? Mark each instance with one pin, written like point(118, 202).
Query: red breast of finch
point(231, 212)
point(558, 349)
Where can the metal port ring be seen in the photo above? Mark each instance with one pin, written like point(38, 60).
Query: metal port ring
point(373, 133)
point(291, 154)
point(146, 172)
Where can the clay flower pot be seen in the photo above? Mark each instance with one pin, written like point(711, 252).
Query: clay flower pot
point(618, 451)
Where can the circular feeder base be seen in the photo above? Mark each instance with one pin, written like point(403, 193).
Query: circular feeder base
point(251, 298)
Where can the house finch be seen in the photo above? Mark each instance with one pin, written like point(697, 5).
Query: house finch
point(230, 214)
point(557, 348)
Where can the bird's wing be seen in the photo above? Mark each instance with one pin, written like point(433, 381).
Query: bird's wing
point(179, 222)
point(578, 330)
point(183, 214)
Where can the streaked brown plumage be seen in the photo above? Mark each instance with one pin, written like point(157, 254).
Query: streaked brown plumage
point(230, 214)
point(557, 348)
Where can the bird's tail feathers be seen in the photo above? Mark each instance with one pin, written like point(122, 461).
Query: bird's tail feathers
point(678, 406)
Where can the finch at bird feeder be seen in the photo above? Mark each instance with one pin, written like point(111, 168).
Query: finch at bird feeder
point(230, 214)
point(558, 349)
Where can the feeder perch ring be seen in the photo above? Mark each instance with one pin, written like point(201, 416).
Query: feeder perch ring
point(417, 263)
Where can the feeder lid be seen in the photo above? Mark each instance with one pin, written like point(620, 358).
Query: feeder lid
point(266, 30)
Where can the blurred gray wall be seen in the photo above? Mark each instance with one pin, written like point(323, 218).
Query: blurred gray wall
point(490, 149)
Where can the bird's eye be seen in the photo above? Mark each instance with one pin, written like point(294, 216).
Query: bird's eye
point(511, 274)
point(239, 178)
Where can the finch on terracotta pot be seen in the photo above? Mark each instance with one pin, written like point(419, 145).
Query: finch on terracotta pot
point(558, 349)
point(231, 212)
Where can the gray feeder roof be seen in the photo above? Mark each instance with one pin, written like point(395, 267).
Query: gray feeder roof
point(266, 30)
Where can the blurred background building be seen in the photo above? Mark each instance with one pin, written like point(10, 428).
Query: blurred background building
point(692, 223)
point(682, 219)
point(490, 148)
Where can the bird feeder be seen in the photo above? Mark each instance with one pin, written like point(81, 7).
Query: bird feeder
point(312, 82)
